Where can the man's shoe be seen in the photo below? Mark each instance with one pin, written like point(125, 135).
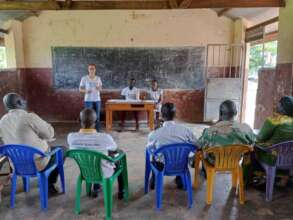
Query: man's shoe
point(178, 182)
point(120, 195)
point(94, 194)
point(52, 190)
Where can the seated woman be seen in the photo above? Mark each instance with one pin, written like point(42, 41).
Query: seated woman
point(276, 129)
point(226, 131)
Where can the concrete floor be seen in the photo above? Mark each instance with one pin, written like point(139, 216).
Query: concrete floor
point(225, 204)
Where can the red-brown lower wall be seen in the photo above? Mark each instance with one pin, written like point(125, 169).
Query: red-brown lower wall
point(273, 84)
point(8, 83)
point(264, 105)
point(65, 105)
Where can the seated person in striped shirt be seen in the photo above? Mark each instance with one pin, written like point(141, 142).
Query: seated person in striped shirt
point(170, 133)
point(89, 138)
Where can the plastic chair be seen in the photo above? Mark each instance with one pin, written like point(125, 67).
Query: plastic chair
point(23, 161)
point(227, 158)
point(175, 164)
point(283, 153)
point(89, 163)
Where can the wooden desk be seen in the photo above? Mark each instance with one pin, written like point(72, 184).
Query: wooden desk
point(128, 105)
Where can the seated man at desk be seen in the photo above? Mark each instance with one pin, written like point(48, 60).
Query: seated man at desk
point(130, 93)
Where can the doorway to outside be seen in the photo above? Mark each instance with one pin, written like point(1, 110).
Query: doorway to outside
point(261, 55)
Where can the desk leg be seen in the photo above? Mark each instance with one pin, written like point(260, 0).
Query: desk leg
point(151, 120)
point(110, 119)
point(107, 120)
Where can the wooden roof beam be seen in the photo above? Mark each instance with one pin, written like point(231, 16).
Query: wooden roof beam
point(223, 11)
point(134, 4)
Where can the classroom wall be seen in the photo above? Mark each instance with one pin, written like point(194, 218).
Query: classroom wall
point(284, 69)
point(165, 28)
point(8, 83)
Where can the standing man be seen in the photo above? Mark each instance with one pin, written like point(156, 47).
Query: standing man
point(130, 93)
point(91, 86)
point(156, 95)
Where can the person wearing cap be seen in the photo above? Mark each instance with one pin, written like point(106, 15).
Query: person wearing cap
point(226, 131)
point(18, 126)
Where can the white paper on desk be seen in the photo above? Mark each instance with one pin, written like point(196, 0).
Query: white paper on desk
point(130, 101)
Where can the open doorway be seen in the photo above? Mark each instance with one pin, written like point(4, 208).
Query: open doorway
point(261, 55)
point(3, 63)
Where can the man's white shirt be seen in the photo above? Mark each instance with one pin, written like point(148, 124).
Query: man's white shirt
point(92, 140)
point(130, 94)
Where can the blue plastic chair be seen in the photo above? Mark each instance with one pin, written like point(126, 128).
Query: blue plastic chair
point(175, 164)
point(22, 157)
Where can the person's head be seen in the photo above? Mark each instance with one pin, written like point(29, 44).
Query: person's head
point(131, 83)
point(88, 118)
point(92, 70)
point(168, 111)
point(154, 84)
point(14, 101)
point(285, 106)
point(228, 111)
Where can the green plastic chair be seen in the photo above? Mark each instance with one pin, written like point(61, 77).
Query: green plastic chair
point(89, 163)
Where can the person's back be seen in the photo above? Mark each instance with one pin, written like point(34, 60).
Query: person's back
point(227, 131)
point(89, 138)
point(171, 133)
point(21, 127)
point(276, 130)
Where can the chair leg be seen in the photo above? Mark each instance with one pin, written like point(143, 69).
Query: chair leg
point(196, 171)
point(234, 178)
point(125, 180)
point(189, 188)
point(147, 173)
point(13, 190)
point(46, 193)
point(61, 172)
point(270, 180)
point(88, 188)
point(210, 184)
point(241, 186)
point(108, 198)
point(41, 190)
point(77, 194)
point(159, 189)
point(26, 184)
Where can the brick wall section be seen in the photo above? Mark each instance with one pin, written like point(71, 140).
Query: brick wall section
point(283, 83)
point(265, 92)
point(8, 83)
point(65, 105)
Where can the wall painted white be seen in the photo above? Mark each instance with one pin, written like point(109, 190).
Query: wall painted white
point(154, 28)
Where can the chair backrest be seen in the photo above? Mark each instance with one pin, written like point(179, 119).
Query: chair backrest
point(89, 163)
point(228, 157)
point(284, 153)
point(175, 156)
point(22, 157)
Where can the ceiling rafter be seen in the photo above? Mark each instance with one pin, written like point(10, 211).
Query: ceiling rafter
point(135, 4)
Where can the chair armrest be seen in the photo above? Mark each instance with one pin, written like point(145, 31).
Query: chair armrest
point(55, 151)
point(119, 157)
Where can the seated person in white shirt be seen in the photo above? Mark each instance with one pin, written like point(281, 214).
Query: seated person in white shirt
point(89, 138)
point(18, 126)
point(130, 93)
point(170, 133)
point(156, 94)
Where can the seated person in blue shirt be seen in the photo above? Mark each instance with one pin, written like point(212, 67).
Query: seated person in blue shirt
point(89, 138)
point(170, 133)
